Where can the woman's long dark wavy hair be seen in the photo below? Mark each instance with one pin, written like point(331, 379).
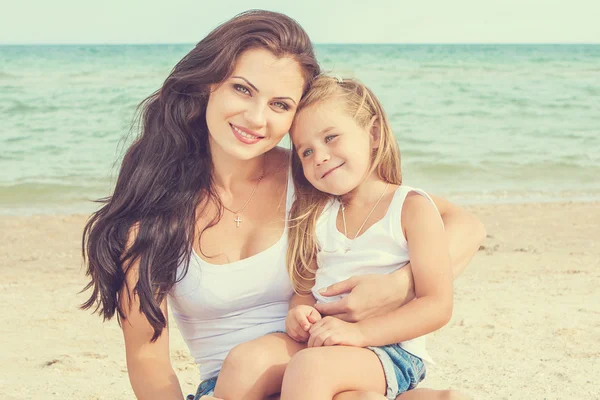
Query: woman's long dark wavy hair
point(165, 178)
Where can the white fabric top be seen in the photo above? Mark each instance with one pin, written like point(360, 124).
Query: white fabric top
point(381, 249)
point(217, 307)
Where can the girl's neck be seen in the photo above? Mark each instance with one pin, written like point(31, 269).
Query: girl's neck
point(367, 193)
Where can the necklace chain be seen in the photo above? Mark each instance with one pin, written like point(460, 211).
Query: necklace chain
point(247, 201)
point(366, 219)
point(237, 219)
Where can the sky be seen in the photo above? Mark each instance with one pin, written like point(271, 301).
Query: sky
point(334, 21)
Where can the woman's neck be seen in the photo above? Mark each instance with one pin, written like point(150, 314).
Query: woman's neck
point(229, 171)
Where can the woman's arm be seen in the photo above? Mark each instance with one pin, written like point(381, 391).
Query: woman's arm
point(371, 295)
point(148, 363)
point(464, 233)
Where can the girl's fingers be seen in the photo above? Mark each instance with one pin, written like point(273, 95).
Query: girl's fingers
point(314, 316)
point(303, 322)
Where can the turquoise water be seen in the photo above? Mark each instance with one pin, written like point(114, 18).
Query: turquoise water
point(477, 123)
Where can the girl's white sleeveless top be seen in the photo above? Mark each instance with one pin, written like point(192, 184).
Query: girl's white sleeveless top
point(381, 249)
point(217, 307)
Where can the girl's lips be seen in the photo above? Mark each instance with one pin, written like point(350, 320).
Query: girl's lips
point(331, 170)
point(244, 135)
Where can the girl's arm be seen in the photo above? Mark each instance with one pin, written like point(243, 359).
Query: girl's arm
point(432, 272)
point(148, 364)
point(371, 295)
point(301, 299)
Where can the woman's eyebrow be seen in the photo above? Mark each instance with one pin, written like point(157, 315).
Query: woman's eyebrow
point(286, 98)
point(248, 82)
point(258, 91)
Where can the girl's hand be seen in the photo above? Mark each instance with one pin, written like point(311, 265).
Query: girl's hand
point(299, 320)
point(331, 331)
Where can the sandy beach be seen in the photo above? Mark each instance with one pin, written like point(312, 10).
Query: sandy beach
point(526, 323)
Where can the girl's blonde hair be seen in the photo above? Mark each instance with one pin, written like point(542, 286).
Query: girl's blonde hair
point(363, 106)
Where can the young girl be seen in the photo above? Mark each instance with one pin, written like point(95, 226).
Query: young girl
point(352, 217)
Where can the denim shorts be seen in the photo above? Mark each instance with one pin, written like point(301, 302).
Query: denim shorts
point(402, 370)
point(206, 388)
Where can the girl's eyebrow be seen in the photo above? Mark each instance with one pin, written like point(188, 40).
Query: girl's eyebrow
point(324, 131)
point(258, 91)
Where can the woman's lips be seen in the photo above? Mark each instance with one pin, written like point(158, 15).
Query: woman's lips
point(244, 135)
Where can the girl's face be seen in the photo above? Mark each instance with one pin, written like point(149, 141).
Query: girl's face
point(251, 111)
point(335, 151)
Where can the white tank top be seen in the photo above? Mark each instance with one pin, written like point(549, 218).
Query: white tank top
point(381, 249)
point(217, 307)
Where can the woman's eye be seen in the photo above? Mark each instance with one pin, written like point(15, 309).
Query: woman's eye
point(281, 105)
point(329, 138)
point(307, 152)
point(241, 88)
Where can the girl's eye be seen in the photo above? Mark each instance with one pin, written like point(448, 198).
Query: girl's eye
point(307, 152)
point(281, 105)
point(329, 138)
point(241, 88)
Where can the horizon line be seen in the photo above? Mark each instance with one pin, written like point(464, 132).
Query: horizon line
point(318, 44)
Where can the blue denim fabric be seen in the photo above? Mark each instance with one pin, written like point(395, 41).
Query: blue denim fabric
point(206, 387)
point(402, 370)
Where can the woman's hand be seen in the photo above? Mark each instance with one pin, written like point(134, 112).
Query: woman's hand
point(368, 295)
point(331, 331)
point(299, 320)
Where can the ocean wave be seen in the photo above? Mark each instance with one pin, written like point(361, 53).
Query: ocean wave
point(8, 76)
point(19, 107)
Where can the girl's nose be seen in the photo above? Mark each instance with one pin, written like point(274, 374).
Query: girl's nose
point(321, 157)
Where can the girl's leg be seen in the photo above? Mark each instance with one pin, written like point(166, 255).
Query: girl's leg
point(430, 394)
point(416, 394)
point(320, 373)
point(359, 396)
point(254, 370)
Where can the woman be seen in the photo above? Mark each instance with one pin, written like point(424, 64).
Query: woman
point(198, 215)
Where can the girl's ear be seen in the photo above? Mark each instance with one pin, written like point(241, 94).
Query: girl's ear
point(375, 131)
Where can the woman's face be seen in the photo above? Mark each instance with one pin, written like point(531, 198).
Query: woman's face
point(252, 110)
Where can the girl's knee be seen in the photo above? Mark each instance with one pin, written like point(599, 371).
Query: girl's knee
point(246, 359)
point(307, 359)
point(306, 364)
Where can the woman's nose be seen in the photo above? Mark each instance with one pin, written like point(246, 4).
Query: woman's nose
point(255, 115)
